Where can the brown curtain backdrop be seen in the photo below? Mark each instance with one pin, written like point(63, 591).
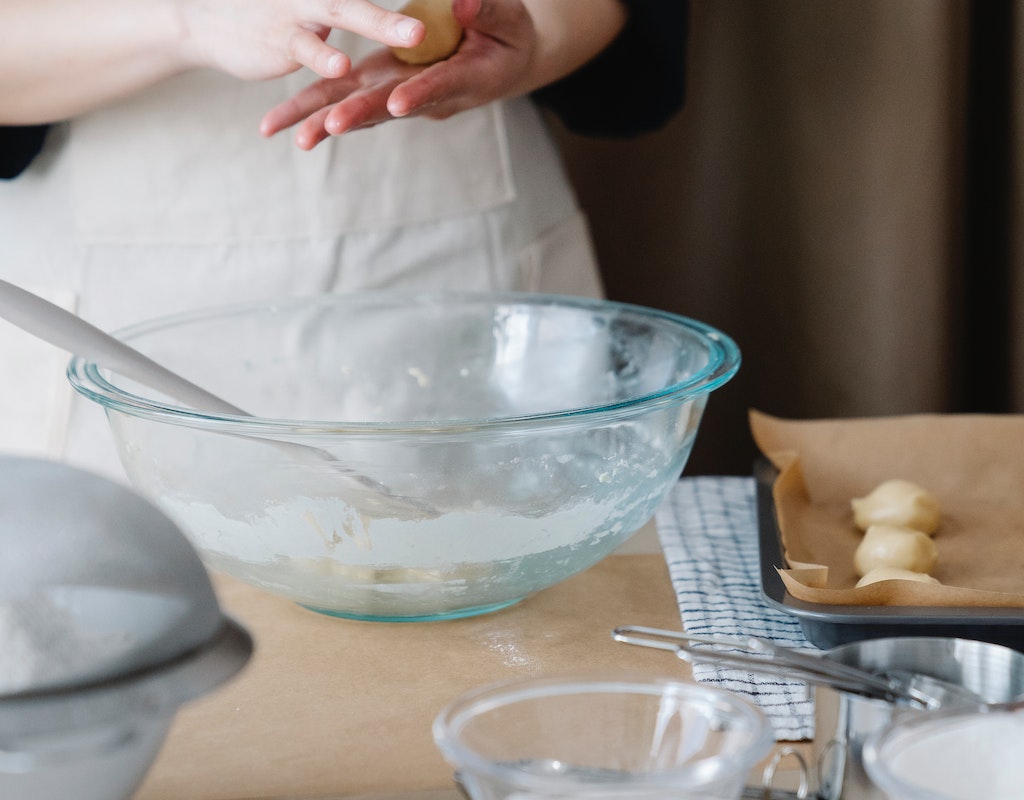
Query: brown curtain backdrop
point(840, 196)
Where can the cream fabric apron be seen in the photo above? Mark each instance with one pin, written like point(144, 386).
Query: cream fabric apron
point(172, 200)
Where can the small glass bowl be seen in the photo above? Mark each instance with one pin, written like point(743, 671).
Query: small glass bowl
point(601, 737)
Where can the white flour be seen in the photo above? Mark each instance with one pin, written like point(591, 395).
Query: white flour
point(972, 758)
point(319, 552)
point(42, 646)
point(313, 527)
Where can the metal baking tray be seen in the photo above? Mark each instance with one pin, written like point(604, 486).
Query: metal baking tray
point(827, 626)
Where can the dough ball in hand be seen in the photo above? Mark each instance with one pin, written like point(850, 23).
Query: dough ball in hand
point(895, 573)
point(897, 502)
point(443, 32)
point(894, 546)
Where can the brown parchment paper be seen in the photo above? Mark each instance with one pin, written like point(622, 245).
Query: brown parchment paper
point(332, 708)
point(973, 464)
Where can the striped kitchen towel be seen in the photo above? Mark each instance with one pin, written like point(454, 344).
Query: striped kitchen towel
point(708, 532)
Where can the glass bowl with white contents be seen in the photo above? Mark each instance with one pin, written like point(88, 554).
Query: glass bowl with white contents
point(960, 753)
point(406, 456)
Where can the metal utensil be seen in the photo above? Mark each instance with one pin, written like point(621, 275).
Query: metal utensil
point(67, 331)
point(767, 657)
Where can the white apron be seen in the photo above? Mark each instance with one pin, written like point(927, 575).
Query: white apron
point(171, 200)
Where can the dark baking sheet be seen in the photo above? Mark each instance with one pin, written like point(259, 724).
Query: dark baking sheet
point(827, 626)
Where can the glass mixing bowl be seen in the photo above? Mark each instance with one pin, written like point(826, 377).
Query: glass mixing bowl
point(414, 456)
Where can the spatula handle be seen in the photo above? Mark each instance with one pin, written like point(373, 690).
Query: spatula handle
point(61, 328)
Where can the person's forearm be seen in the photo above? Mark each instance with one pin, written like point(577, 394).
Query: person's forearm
point(61, 57)
point(571, 32)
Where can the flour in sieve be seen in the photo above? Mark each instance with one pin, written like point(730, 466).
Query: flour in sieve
point(44, 647)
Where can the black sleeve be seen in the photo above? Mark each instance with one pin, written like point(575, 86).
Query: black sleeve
point(18, 146)
point(636, 84)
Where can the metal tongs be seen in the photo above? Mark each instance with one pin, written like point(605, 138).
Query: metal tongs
point(767, 657)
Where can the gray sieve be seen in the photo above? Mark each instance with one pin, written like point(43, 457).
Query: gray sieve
point(95, 582)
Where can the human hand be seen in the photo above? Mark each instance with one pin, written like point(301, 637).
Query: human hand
point(259, 39)
point(496, 59)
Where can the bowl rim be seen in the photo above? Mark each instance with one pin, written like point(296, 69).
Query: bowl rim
point(87, 378)
point(701, 772)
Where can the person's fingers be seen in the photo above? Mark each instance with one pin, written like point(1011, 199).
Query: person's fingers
point(465, 12)
point(306, 102)
point(370, 20)
point(275, 120)
point(421, 91)
point(312, 131)
point(282, 116)
point(494, 18)
point(358, 110)
point(484, 68)
point(309, 49)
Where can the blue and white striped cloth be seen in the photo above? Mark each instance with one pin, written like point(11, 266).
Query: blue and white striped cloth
point(708, 532)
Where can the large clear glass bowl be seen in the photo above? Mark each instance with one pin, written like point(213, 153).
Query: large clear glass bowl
point(414, 456)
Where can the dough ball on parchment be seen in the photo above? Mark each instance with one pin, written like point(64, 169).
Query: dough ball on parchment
point(895, 546)
point(895, 573)
point(897, 502)
point(443, 32)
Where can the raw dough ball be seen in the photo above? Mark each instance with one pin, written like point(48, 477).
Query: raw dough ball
point(894, 546)
point(443, 32)
point(894, 573)
point(897, 502)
